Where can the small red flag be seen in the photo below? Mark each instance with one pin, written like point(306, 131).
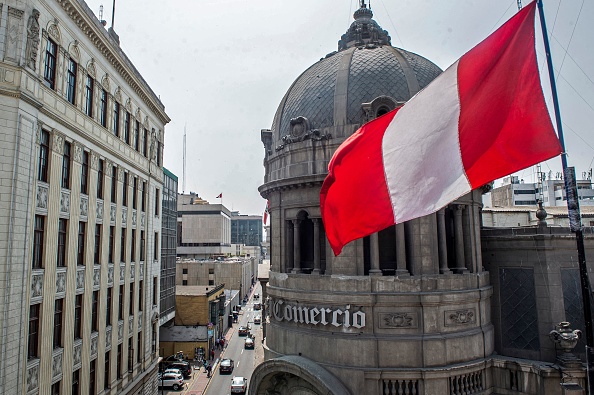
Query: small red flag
point(220, 196)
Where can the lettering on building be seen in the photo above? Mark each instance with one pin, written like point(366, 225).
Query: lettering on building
point(346, 318)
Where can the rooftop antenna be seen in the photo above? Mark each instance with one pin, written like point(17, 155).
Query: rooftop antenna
point(101, 20)
point(184, 158)
point(519, 5)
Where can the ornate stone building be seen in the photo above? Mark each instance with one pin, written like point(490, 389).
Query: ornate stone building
point(82, 142)
point(404, 311)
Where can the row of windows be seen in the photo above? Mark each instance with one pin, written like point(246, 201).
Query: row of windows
point(43, 169)
point(131, 138)
point(63, 237)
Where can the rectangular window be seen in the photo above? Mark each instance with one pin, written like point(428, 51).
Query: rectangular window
point(114, 184)
point(108, 306)
point(142, 245)
point(84, 173)
point(130, 355)
point(66, 165)
point(71, 81)
point(56, 388)
point(211, 282)
point(94, 306)
point(184, 282)
point(103, 108)
point(49, 73)
point(131, 298)
point(185, 271)
point(100, 175)
point(143, 208)
point(123, 245)
point(92, 377)
point(154, 345)
point(89, 88)
point(107, 369)
point(33, 344)
point(136, 135)
point(158, 153)
point(62, 227)
point(139, 348)
point(134, 192)
point(157, 201)
point(38, 241)
point(119, 362)
point(156, 247)
point(127, 127)
point(125, 191)
point(133, 246)
point(80, 257)
point(144, 142)
point(43, 156)
point(58, 317)
point(116, 118)
point(75, 382)
point(97, 254)
point(111, 244)
point(121, 304)
point(140, 295)
point(155, 291)
point(78, 316)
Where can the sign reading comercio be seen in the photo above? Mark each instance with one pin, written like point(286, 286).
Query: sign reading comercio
point(282, 311)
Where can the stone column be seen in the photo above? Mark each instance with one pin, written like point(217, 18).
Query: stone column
point(316, 224)
point(401, 251)
point(459, 235)
point(374, 270)
point(442, 244)
point(296, 247)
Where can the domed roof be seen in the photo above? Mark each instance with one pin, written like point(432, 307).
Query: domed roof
point(334, 90)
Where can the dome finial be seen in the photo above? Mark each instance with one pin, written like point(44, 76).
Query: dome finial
point(364, 30)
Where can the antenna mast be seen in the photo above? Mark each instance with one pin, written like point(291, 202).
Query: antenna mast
point(519, 5)
point(184, 175)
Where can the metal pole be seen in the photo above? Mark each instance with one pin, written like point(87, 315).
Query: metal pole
point(573, 210)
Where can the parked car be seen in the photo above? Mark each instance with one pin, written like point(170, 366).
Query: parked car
point(243, 330)
point(173, 370)
point(256, 296)
point(226, 366)
point(249, 343)
point(257, 306)
point(183, 366)
point(174, 380)
point(257, 319)
point(238, 385)
point(172, 358)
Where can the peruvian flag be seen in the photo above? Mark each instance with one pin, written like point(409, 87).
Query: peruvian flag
point(266, 211)
point(483, 118)
point(220, 196)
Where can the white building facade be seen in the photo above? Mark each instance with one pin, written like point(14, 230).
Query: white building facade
point(82, 143)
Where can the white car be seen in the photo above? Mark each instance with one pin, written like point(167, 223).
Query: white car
point(257, 319)
point(238, 385)
point(174, 380)
point(173, 370)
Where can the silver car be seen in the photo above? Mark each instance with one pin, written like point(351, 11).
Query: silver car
point(238, 385)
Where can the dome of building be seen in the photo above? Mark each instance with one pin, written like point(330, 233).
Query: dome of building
point(365, 78)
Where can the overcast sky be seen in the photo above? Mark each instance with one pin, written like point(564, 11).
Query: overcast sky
point(221, 67)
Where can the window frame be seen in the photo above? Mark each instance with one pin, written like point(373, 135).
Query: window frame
point(116, 118)
point(58, 322)
point(78, 306)
point(89, 92)
point(38, 241)
point(84, 173)
point(51, 57)
point(43, 164)
point(66, 165)
point(71, 81)
point(103, 108)
point(82, 235)
point(62, 242)
point(33, 335)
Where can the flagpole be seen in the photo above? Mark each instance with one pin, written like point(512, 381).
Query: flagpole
point(573, 209)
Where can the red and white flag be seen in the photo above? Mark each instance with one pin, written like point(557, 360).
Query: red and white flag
point(266, 211)
point(220, 196)
point(483, 118)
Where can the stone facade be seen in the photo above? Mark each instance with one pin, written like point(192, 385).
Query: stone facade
point(60, 76)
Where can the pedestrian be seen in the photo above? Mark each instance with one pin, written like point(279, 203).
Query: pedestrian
point(222, 342)
point(208, 370)
point(218, 344)
point(212, 353)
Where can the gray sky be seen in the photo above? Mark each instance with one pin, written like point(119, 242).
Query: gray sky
point(221, 67)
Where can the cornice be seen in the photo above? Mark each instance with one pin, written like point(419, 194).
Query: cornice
point(291, 183)
point(114, 56)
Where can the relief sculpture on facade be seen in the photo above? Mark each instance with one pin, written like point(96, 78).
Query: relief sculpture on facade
point(32, 39)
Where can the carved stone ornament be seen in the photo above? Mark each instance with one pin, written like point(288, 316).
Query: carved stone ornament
point(37, 286)
point(131, 325)
point(118, 94)
point(91, 69)
point(397, 320)
point(13, 34)
point(33, 378)
point(379, 106)
point(110, 274)
point(134, 218)
point(61, 282)
point(141, 271)
point(142, 219)
point(112, 213)
point(76, 355)
point(94, 344)
point(99, 211)
point(74, 51)
point(57, 364)
point(364, 32)
point(108, 337)
point(94, 161)
point(84, 205)
point(138, 114)
point(132, 271)
point(139, 321)
point(65, 202)
point(564, 337)
point(32, 39)
point(124, 215)
point(96, 276)
point(128, 105)
point(78, 153)
point(42, 191)
point(105, 82)
point(58, 143)
point(297, 126)
point(120, 330)
point(460, 317)
point(54, 31)
point(122, 273)
point(80, 279)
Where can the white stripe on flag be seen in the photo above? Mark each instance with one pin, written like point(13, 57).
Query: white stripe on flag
point(421, 151)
